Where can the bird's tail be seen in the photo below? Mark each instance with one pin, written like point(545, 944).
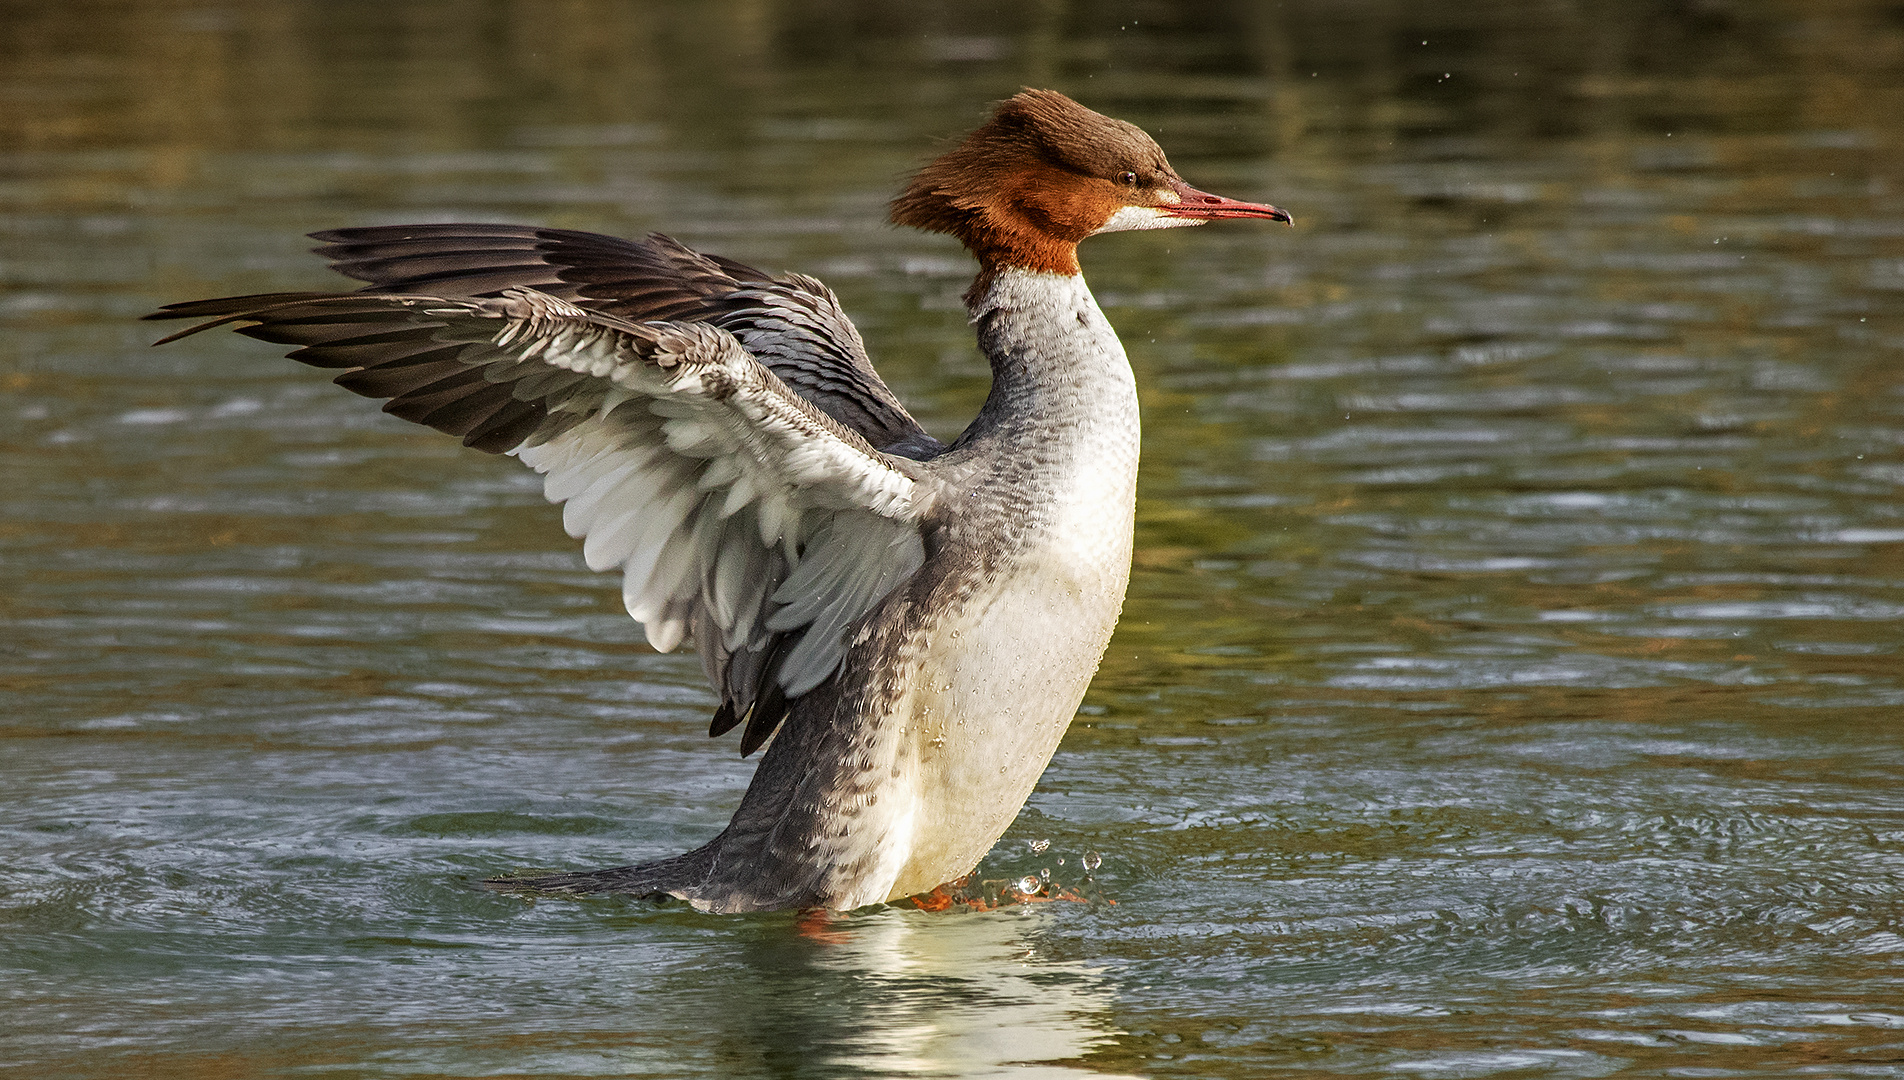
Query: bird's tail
point(678, 876)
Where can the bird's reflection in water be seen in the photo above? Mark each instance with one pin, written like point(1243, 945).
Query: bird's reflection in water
point(898, 992)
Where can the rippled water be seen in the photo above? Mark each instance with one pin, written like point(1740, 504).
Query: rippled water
point(1510, 682)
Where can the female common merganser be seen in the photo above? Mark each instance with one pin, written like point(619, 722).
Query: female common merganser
point(919, 621)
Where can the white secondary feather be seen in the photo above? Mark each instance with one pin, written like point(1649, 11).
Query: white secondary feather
point(717, 491)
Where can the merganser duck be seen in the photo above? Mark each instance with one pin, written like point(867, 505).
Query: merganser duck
point(917, 621)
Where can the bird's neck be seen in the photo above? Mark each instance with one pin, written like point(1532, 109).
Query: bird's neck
point(1057, 366)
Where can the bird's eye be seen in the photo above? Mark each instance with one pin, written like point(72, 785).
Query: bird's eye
point(1127, 178)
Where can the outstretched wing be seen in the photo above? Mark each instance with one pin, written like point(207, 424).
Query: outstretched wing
point(737, 511)
point(794, 325)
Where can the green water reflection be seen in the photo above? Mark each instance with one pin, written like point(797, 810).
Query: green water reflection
point(1510, 679)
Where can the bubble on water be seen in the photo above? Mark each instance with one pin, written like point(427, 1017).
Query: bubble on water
point(1091, 860)
point(1027, 884)
point(1037, 846)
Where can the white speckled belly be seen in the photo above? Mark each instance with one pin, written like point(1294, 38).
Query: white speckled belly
point(989, 710)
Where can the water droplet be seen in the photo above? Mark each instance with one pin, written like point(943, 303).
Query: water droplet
point(1028, 884)
point(1091, 861)
point(1044, 873)
point(1037, 846)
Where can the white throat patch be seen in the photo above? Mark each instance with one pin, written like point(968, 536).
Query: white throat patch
point(1132, 218)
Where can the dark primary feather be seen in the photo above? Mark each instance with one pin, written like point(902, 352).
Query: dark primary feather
point(794, 325)
point(407, 362)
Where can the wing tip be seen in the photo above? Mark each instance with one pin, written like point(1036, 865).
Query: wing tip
point(724, 720)
point(764, 719)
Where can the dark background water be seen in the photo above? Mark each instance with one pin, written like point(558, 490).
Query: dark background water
point(1511, 679)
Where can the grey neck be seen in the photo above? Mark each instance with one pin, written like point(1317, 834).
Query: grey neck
point(1058, 370)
